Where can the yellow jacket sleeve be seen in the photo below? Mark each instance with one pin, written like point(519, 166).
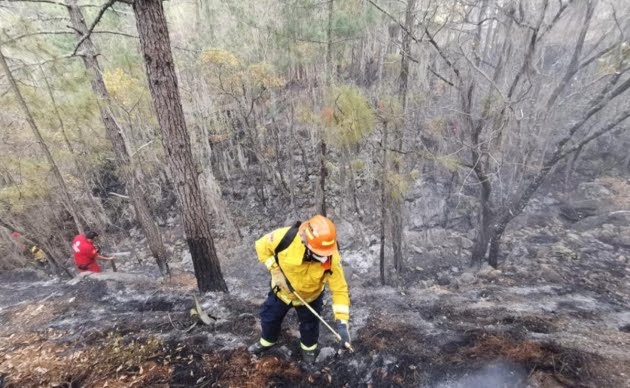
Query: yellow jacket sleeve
point(339, 290)
point(266, 245)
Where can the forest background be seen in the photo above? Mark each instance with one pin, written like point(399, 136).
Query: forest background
point(397, 118)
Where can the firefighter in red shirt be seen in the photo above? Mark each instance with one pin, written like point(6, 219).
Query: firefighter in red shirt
point(86, 252)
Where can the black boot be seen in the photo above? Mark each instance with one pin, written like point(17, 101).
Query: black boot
point(258, 348)
point(309, 356)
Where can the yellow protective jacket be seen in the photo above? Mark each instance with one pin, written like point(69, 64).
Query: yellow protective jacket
point(307, 278)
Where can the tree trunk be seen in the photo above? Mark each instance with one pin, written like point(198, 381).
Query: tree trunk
point(115, 134)
point(383, 205)
point(329, 38)
point(353, 192)
point(493, 252)
point(485, 231)
point(307, 171)
point(53, 165)
point(160, 68)
point(320, 192)
point(397, 198)
point(570, 169)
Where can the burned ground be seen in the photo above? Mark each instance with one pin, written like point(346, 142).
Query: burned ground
point(556, 316)
point(94, 334)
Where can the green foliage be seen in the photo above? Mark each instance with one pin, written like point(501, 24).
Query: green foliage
point(230, 76)
point(222, 59)
point(350, 17)
point(398, 186)
point(30, 175)
point(390, 111)
point(125, 89)
point(615, 59)
point(357, 164)
point(349, 117)
point(450, 163)
point(305, 114)
point(415, 174)
point(301, 31)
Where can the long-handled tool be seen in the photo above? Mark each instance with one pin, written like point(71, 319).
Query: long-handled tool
point(98, 250)
point(345, 344)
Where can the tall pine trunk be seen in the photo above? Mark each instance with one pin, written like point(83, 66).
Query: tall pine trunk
point(115, 134)
point(160, 68)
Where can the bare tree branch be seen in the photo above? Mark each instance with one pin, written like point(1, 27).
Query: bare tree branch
point(612, 125)
point(555, 19)
point(36, 1)
point(530, 51)
point(478, 70)
point(439, 76)
point(28, 35)
point(573, 66)
point(417, 40)
point(96, 20)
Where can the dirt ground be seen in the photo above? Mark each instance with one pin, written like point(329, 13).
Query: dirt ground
point(502, 329)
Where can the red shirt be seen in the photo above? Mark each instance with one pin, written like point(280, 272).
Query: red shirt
point(85, 254)
point(17, 237)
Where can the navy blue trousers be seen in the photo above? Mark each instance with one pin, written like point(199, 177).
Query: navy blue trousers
point(274, 310)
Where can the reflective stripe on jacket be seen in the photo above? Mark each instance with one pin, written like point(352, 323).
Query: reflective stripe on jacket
point(307, 278)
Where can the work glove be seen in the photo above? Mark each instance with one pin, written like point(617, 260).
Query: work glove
point(278, 279)
point(342, 329)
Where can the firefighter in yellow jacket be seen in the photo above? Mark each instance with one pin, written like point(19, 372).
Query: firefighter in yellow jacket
point(302, 259)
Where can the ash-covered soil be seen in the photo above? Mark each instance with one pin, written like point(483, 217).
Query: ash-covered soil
point(487, 328)
point(556, 313)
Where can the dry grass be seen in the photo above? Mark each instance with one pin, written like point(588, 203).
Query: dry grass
point(36, 360)
point(492, 346)
point(34, 315)
point(181, 281)
point(620, 188)
point(569, 367)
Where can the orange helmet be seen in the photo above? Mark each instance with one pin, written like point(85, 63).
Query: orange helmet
point(320, 235)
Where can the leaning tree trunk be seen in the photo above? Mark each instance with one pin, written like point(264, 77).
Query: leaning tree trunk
point(115, 134)
point(53, 165)
point(160, 68)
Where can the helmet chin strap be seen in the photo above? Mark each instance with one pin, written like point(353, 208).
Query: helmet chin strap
point(321, 259)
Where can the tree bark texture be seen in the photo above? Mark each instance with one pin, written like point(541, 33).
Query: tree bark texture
point(115, 134)
point(160, 68)
point(383, 206)
point(397, 198)
point(320, 191)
